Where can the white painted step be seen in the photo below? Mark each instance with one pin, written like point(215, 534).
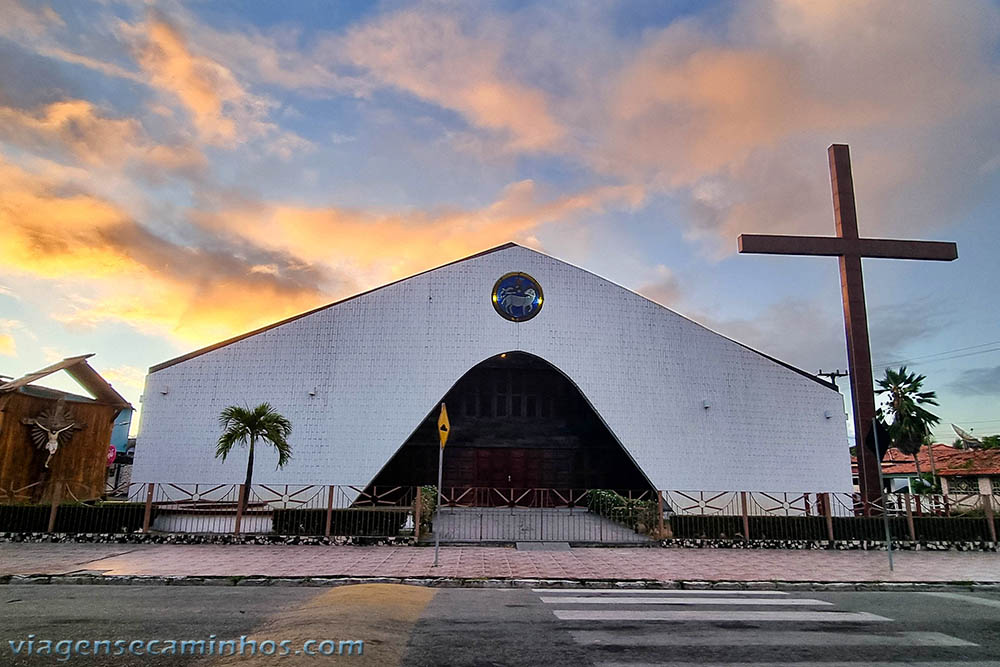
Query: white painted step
point(727, 637)
point(787, 602)
point(711, 615)
point(647, 591)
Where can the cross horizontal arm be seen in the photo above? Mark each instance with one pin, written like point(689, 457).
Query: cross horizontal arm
point(941, 251)
point(775, 244)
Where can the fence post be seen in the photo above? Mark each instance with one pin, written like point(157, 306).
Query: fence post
point(56, 497)
point(659, 515)
point(150, 486)
point(239, 511)
point(746, 515)
point(329, 510)
point(988, 507)
point(828, 512)
point(417, 513)
point(909, 518)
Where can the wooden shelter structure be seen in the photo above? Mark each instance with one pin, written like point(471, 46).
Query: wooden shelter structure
point(54, 443)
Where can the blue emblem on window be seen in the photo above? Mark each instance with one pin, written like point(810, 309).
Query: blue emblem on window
point(517, 297)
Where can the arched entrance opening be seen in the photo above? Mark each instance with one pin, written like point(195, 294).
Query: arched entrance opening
point(516, 423)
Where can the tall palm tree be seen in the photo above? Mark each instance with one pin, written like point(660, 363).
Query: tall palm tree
point(911, 423)
point(245, 426)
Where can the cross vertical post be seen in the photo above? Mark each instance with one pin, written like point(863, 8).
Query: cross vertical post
point(859, 355)
point(850, 248)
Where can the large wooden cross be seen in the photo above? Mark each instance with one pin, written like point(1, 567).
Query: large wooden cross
point(850, 248)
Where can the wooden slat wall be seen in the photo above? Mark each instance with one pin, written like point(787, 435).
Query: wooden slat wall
point(82, 461)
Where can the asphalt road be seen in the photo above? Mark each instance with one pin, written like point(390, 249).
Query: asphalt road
point(403, 625)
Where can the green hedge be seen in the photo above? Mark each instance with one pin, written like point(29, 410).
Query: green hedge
point(343, 522)
point(927, 529)
point(428, 505)
point(76, 518)
point(629, 512)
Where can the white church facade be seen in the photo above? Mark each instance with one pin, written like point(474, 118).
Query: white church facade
point(553, 376)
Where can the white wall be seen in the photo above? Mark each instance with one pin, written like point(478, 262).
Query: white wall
point(382, 361)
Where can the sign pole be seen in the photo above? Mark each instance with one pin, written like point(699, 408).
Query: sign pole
point(885, 500)
point(443, 428)
point(437, 529)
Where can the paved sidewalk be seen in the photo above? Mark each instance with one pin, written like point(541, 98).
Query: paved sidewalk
point(493, 562)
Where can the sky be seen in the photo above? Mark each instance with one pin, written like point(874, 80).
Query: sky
point(176, 173)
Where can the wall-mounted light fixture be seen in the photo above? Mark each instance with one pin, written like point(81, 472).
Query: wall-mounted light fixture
point(705, 404)
point(312, 392)
point(828, 414)
point(165, 391)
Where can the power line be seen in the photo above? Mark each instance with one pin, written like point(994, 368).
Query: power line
point(979, 421)
point(944, 352)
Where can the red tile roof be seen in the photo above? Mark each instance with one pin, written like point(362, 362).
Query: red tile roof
point(950, 462)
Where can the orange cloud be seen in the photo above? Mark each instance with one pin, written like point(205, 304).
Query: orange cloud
point(428, 54)
point(739, 117)
point(105, 267)
point(19, 19)
point(76, 127)
point(8, 347)
point(203, 86)
point(383, 246)
point(281, 259)
point(223, 111)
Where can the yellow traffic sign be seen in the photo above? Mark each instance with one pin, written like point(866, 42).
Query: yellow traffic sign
point(444, 426)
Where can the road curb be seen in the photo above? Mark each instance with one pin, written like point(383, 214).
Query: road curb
point(75, 579)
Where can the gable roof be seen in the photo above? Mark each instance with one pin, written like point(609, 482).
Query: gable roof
point(236, 339)
point(79, 370)
point(505, 246)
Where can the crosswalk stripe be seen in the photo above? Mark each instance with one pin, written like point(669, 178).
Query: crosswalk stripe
point(717, 616)
point(908, 663)
point(649, 591)
point(789, 602)
point(724, 637)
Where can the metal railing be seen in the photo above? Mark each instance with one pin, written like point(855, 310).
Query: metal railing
point(489, 514)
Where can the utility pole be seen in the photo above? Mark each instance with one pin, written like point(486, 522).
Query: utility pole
point(833, 375)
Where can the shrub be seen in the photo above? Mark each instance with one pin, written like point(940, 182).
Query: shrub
point(627, 511)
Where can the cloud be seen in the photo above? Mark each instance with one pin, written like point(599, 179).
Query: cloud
point(105, 266)
point(8, 326)
point(125, 377)
point(459, 67)
point(224, 112)
point(383, 245)
point(978, 382)
point(113, 269)
point(276, 57)
point(737, 118)
point(665, 290)
point(206, 89)
point(77, 128)
point(8, 347)
point(19, 19)
point(106, 68)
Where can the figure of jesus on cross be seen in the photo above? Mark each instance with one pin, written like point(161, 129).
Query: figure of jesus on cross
point(850, 248)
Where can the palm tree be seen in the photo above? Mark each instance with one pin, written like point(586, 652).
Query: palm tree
point(245, 426)
point(911, 423)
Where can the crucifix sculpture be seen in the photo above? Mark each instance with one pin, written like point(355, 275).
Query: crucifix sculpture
point(850, 248)
point(52, 428)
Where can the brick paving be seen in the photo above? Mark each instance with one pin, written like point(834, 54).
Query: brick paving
point(495, 562)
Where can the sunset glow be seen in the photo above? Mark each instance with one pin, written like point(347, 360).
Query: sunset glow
point(176, 173)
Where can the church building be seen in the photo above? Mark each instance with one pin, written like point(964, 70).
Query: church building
point(553, 378)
